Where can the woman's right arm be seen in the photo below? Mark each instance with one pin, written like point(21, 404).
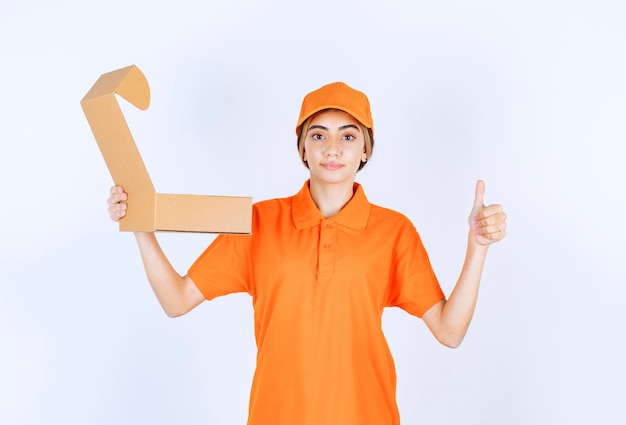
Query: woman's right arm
point(177, 294)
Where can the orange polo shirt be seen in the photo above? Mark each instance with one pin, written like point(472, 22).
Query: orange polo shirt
point(319, 286)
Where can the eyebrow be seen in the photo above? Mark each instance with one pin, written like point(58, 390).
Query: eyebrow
point(343, 127)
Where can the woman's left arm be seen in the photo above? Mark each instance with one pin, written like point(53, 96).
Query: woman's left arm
point(449, 319)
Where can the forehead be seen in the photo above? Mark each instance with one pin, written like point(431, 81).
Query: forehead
point(333, 116)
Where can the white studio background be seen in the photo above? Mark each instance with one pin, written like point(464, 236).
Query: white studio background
point(528, 95)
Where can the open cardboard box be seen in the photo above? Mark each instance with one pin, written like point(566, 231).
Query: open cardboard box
point(147, 210)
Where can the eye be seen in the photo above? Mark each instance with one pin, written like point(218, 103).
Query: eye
point(317, 136)
point(348, 137)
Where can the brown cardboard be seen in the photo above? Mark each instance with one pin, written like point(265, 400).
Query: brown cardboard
point(150, 211)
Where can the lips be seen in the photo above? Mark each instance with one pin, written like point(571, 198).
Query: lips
point(332, 165)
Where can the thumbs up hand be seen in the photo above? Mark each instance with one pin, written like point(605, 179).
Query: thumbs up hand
point(488, 224)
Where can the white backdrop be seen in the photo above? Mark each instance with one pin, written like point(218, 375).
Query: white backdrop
point(528, 95)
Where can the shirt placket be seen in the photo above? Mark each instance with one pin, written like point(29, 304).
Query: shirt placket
point(327, 250)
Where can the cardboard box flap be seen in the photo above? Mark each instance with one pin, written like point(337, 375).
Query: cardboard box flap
point(184, 213)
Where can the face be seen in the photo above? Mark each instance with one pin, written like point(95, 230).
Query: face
point(334, 147)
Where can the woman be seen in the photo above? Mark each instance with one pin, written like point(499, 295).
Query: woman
point(321, 266)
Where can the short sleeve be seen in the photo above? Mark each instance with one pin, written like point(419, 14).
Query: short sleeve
point(224, 267)
point(413, 285)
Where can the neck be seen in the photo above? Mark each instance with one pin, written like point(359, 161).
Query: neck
point(331, 198)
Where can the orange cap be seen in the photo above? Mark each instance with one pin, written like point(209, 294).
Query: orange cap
point(337, 96)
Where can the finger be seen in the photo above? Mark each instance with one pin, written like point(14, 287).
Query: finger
point(493, 229)
point(479, 194)
point(498, 229)
point(116, 189)
point(121, 212)
point(490, 217)
point(122, 206)
point(117, 198)
point(496, 236)
point(491, 210)
point(117, 211)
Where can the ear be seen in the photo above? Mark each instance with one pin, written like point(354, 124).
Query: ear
point(364, 156)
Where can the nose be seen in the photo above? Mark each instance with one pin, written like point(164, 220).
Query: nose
point(333, 147)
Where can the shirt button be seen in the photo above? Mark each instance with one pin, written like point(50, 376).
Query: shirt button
point(329, 225)
point(326, 245)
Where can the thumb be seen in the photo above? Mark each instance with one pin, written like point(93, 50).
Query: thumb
point(480, 192)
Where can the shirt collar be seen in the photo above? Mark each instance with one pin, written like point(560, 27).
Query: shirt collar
point(353, 215)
